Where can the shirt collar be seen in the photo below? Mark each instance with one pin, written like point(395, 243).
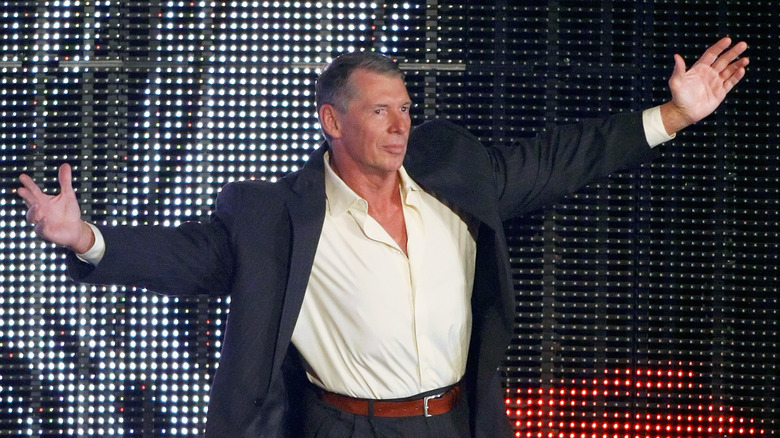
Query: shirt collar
point(341, 198)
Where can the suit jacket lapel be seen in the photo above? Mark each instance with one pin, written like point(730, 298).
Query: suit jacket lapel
point(306, 207)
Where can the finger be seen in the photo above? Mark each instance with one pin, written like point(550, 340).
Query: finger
point(26, 197)
point(679, 66)
point(32, 214)
point(30, 192)
point(30, 185)
point(712, 53)
point(66, 179)
point(734, 67)
point(725, 59)
point(729, 83)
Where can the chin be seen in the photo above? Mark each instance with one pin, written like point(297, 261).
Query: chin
point(395, 165)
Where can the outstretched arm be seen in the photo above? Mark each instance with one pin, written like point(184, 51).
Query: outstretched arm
point(698, 91)
point(57, 218)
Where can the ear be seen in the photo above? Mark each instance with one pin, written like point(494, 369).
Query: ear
point(329, 120)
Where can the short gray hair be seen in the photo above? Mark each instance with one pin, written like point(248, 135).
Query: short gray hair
point(333, 86)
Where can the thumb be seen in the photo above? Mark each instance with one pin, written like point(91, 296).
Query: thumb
point(679, 65)
point(66, 179)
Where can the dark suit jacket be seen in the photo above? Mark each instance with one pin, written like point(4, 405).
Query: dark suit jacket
point(260, 242)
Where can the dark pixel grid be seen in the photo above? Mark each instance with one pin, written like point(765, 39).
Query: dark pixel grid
point(646, 303)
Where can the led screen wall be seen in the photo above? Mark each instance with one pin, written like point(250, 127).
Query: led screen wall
point(646, 303)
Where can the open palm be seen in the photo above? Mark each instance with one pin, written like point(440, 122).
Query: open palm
point(57, 218)
point(698, 91)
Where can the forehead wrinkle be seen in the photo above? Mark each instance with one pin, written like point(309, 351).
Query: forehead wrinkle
point(352, 92)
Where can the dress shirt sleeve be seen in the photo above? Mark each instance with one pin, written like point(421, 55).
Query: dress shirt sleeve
point(655, 133)
point(94, 254)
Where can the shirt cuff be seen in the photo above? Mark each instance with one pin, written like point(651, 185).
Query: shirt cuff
point(94, 254)
point(655, 133)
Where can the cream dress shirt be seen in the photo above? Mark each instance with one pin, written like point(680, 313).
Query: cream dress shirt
point(374, 322)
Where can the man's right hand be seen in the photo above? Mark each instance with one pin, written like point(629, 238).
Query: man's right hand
point(57, 218)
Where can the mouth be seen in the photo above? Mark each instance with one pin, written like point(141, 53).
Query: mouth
point(395, 148)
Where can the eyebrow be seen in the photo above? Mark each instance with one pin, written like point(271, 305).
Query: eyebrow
point(386, 105)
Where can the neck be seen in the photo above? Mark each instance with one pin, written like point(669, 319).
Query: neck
point(379, 189)
point(384, 200)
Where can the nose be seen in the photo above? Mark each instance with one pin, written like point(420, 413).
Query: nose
point(399, 122)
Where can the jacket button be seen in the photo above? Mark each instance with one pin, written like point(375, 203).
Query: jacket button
point(258, 402)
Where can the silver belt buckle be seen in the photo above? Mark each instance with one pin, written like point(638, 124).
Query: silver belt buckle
point(425, 403)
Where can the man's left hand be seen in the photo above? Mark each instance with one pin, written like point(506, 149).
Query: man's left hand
point(698, 91)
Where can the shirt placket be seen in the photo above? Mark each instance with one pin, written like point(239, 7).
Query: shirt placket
point(416, 246)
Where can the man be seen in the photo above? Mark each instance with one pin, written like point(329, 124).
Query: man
point(370, 290)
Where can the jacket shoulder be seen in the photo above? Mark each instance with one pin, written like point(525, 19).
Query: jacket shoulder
point(444, 128)
point(253, 188)
point(240, 197)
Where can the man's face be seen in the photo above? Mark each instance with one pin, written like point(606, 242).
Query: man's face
point(373, 132)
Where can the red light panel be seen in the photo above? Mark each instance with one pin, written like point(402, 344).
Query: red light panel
point(610, 407)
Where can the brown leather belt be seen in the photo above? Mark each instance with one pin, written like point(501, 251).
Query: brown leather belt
point(428, 406)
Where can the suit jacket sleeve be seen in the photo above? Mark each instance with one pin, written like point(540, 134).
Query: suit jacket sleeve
point(193, 258)
point(532, 173)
